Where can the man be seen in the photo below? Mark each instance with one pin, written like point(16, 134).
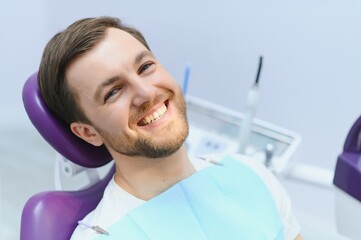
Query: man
point(102, 79)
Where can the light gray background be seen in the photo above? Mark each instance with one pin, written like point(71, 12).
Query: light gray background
point(310, 81)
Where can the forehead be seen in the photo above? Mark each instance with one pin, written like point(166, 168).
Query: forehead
point(111, 56)
point(116, 45)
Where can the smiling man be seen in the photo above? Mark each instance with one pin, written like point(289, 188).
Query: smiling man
point(102, 79)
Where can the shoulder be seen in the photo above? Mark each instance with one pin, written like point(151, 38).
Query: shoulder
point(279, 194)
point(115, 203)
point(265, 174)
point(82, 232)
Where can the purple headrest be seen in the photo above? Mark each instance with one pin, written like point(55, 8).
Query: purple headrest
point(57, 133)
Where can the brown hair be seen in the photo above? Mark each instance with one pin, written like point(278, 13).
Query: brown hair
point(79, 38)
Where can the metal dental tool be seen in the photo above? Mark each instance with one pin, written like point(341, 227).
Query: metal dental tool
point(269, 151)
point(97, 229)
point(210, 161)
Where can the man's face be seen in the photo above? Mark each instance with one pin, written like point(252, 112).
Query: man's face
point(135, 106)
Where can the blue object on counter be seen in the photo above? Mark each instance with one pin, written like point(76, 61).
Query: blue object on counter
point(186, 79)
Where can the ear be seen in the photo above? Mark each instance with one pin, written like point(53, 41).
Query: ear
point(87, 133)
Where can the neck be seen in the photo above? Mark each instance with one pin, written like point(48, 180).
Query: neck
point(145, 178)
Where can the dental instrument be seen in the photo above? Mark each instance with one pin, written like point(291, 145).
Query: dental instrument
point(97, 229)
point(269, 152)
point(210, 160)
point(251, 107)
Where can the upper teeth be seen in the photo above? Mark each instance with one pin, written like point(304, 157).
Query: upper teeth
point(154, 116)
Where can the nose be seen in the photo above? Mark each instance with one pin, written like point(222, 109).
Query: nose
point(143, 91)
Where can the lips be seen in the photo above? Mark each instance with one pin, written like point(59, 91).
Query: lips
point(155, 116)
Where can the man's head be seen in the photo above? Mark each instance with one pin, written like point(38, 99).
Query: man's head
point(103, 80)
point(75, 41)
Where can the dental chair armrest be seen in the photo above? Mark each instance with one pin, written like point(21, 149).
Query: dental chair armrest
point(45, 213)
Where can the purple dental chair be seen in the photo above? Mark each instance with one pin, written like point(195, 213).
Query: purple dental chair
point(54, 214)
point(348, 168)
point(347, 180)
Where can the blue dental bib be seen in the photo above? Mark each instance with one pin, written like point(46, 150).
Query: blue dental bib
point(218, 202)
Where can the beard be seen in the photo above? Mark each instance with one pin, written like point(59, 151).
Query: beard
point(145, 145)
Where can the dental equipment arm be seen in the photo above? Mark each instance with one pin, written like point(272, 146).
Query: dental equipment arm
point(251, 107)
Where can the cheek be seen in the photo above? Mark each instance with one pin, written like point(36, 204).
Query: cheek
point(166, 79)
point(172, 86)
point(114, 119)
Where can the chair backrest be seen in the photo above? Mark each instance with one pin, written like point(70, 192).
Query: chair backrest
point(348, 168)
point(353, 140)
point(54, 215)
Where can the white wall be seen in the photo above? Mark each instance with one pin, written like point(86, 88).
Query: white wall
point(310, 82)
point(22, 39)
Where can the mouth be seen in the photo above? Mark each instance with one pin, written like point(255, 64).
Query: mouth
point(155, 116)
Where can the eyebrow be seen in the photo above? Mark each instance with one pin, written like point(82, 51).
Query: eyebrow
point(142, 55)
point(138, 58)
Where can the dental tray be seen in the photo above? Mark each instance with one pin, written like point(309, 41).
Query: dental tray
point(215, 130)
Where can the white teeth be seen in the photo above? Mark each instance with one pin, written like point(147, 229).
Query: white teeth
point(154, 116)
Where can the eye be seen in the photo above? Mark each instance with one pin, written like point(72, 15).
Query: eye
point(145, 67)
point(111, 94)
